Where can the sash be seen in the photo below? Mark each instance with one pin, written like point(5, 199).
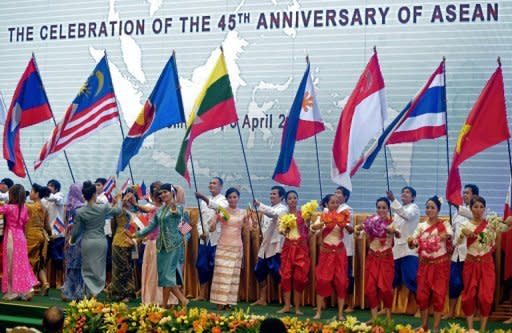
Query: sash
point(478, 230)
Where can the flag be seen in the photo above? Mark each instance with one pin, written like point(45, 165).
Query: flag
point(3, 110)
point(93, 108)
point(361, 119)
point(139, 191)
point(303, 121)
point(485, 127)
point(506, 237)
point(58, 225)
point(110, 185)
point(213, 108)
point(143, 190)
point(29, 106)
point(125, 185)
point(163, 108)
point(424, 117)
point(184, 227)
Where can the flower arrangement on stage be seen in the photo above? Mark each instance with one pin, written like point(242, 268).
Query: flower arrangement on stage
point(375, 226)
point(308, 209)
point(90, 315)
point(332, 218)
point(288, 226)
point(223, 213)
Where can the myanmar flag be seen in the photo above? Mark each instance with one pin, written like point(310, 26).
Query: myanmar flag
point(214, 108)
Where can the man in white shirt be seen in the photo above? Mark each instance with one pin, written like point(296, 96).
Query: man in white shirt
point(54, 204)
point(405, 219)
point(208, 240)
point(343, 194)
point(269, 254)
point(5, 185)
point(462, 216)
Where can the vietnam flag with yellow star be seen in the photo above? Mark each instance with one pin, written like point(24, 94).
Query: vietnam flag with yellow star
point(485, 127)
point(214, 108)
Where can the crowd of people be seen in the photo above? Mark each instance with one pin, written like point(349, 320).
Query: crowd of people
point(91, 234)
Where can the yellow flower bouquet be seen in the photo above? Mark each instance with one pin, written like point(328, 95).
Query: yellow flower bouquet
point(308, 209)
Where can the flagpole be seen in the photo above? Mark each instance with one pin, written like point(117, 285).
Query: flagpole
point(195, 186)
point(446, 124)
point(317, 158)
point(119, 118)
point(28, 173)
point(54, 121)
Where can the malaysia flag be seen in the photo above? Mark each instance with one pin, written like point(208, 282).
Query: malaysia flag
point(424, 117)
point(362, 118)
point(303, 121)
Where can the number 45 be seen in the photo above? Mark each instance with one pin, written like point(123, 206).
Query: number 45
point(229, 19)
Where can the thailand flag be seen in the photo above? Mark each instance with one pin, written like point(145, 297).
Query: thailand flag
point(110, 185)
point(125, 185)
point(424, 117)
point(362, 118)
point(303, 121)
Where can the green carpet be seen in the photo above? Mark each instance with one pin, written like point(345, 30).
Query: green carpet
point(13, 313)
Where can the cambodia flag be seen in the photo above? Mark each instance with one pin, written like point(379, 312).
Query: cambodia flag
point(29, 106)
point(485, 127)
point(303, 121)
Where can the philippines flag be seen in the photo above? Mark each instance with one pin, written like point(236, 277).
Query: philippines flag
point(303, 121)
point(424, 117)
point(362, 118)
point(110, 185)
point(93, 108)
point(29, 106)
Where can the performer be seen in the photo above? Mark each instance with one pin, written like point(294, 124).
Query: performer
point(208, 240)
point(229, 254)
point(343, 194)
point(433, 239)
point(479, 273)
point(18, 277)
point(463, 215)
point(37, 231)
point(379, 266)
point(89, 223)
point(122, 286)
point(168, 244)
point(102, 199)
point(332, 261)
point(73, 288)
point(295, 260)
point(5, 185)
point(54, 204)
point(269, 254)
point(405, 219)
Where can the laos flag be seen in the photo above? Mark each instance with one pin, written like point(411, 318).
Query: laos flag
point(303, 121)
point(29, 106)
point(163, 108)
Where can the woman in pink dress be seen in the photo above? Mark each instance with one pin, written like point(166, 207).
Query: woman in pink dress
point(18, 279)
point(229, 254)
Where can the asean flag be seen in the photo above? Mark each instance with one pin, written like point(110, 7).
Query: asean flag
point(485, 127)
point(361, 119)
point(303, 121)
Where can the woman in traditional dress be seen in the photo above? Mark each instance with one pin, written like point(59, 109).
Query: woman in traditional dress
point(37, 231)
point(295, 260)
point(379, 266)
point(123, 284)
point(228, 258)
point(90, 223)
point(433, 240)
point(332, 261)
point(18, 278)
point(73, 288)
point(479, 272)
point(169, 244)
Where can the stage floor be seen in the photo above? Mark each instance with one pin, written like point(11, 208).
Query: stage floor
point(13, 313)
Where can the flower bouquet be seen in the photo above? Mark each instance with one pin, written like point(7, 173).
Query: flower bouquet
point(222, 214)
point(375, 226)
point(430, 244)
point(288, 226)
point(333, 218)
point(308, 209)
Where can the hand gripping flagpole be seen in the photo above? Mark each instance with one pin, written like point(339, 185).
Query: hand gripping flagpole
point(317, 158)
point(119, 117)
point(385, 150)
point(195, 187)
point(446, 124)
point(54, 122)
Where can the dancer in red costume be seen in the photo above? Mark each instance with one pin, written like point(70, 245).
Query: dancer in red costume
point(433, 239)
point(380, 266)
point(295, 260)
point(479, 273)
point(332, 262)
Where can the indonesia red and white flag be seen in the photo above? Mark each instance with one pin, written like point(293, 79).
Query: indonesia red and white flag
point(361, 120)
point(93, 108)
